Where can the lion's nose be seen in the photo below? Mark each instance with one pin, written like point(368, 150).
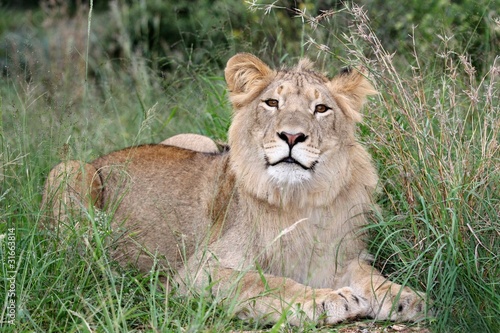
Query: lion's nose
point(292, 139)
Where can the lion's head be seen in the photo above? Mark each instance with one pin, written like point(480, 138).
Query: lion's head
point(292, 135)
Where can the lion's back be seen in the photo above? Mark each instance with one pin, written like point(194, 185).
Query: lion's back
point(162, 196)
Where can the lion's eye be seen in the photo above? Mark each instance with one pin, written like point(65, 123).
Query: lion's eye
point(321, 108)
point(272, 103)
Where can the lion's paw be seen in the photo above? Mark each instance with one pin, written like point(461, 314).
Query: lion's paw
point(399, 304)
point(328, 306)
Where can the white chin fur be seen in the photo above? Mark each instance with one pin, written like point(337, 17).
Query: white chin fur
point(288, 174)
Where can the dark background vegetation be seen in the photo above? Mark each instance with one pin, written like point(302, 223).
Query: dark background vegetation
point(209, 30)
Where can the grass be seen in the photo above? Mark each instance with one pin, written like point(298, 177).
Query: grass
point(433, 131)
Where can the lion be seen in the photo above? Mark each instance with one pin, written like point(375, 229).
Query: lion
point(272, 225)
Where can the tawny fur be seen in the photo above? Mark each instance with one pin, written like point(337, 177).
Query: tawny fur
point(194, 142)
point(274, 225)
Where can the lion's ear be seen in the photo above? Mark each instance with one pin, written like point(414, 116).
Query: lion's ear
point(246, 76)
point(350, 89)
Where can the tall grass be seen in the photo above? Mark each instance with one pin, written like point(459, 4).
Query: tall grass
point(433, 131)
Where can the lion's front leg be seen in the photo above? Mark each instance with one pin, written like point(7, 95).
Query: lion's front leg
point(269, 298)
point(300, 304)
point(387, 300)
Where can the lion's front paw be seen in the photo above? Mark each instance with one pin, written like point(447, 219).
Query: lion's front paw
point(332, 306)
point(398, 304)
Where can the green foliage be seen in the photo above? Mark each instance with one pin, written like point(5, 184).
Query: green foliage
point(471, 24)
point(435, 135)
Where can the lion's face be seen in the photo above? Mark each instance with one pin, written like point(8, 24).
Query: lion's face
point(290, 129)
point(295, 122)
